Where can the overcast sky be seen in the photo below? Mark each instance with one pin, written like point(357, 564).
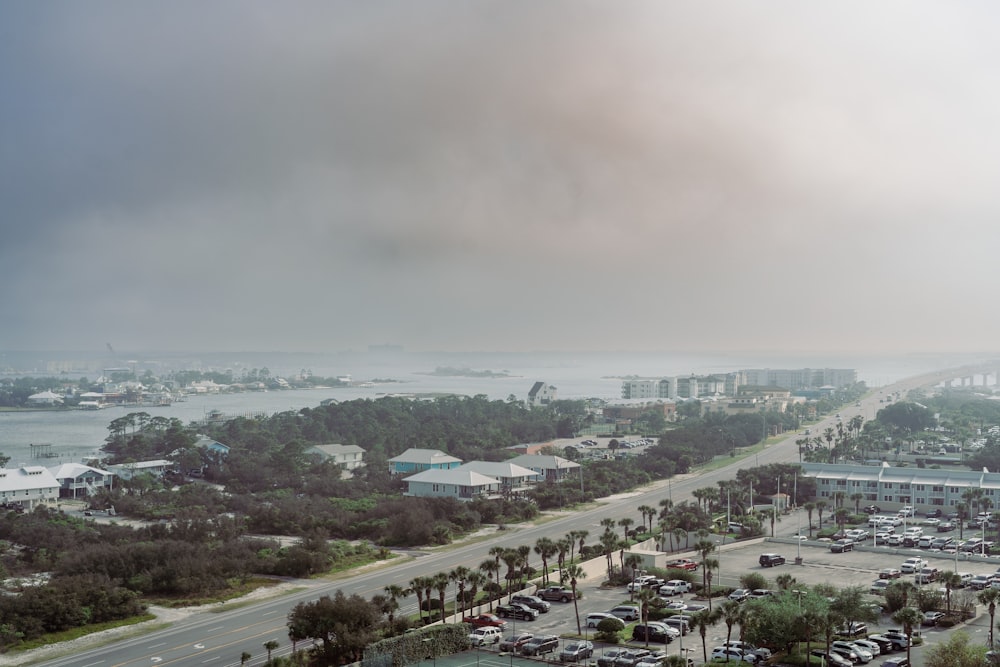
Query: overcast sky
point(515, 175)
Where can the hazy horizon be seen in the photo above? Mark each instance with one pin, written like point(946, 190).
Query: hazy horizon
point(510, 176)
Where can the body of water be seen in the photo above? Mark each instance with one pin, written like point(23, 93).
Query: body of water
point(77, 434)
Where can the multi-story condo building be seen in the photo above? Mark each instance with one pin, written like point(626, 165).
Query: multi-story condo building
point(892, 487)
point(800, 378)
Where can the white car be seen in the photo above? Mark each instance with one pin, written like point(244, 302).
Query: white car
point(485, 635)
point(862, 652)
point(932, 522)
point(911, 565)
point(675, 587)
point(722, 653)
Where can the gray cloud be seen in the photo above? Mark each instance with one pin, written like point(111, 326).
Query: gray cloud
point(498, 175)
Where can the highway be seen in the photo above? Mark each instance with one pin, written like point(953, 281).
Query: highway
point(219, 636)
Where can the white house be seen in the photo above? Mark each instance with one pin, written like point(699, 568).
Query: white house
point(79, 481)
point(458, 484)
point(416, 459)
point(548, 468)
point(348, 456)
point(127, 471)
point(541, 394)
point(512, 477)
point(27, 486)
point(45, 398)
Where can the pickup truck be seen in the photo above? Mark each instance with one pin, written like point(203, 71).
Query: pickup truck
point(485, 620)
point(518, 611)
point(682, 564)
point(560, 593)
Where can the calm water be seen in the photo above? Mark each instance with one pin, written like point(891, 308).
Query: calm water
point(76, 434)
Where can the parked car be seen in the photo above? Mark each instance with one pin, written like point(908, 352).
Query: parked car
point(631, 656)
point(889, 573)
point(654, 632)
point(682, 564)
point(848, 653)
point(900, 661)
point(912, 565)
point(870, 646)
point(654, 659)
point(945, 526)
point(576, 651)
point(740, 594)
point(932, 617)
point(979, 582)
point(878, 586)
point(729, 654)
point(840, 546)
point(540, 645)
point(855, 629)
point(485, 620)
point(515, 642)
point(596, 617)
point(873, 509)
point(675, 587)
point(560, 593)
point(607, 659)
point(532, 601)
point(863, 655)
point(770, 560)
point(831, 659)
point(521, 612)
point(485, 635)
point(679, 622)
point(927, 575)
point(626, 612)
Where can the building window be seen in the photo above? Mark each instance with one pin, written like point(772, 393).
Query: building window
point(888, 485)
point(937, 489)
point(919, 487)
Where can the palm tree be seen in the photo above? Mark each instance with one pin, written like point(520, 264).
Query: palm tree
point(511, 559)
point(784, 581)
point(703, 620)
point(440, 583)
point(269, 646)
point(490, 568)
point(572, 536)
point(951, 581)
point(646, 597)
point(581, 536)
point(820, 506)
point(840, 517)
point(710, 564)
point(732, 614)
point(417, 586)
point(625, 522)
point(679, 534)
point(459, 575)
point(609, 541)
point(564, 545)
point(648, 514)
point(244, 658)
point(910, 616)
point(633, 561)
point(809, 507)
point(828, 436)
point(989, 597)
point(394, 592)
point(857, 497)
point(546, 549)
point(476, 580)
point(704, 548)
point(524, 552)
point(573, 573)
point(963, 513)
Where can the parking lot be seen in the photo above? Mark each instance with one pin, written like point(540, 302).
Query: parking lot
point(818, 565)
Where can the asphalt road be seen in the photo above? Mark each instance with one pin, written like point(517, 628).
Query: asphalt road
point(218, 637)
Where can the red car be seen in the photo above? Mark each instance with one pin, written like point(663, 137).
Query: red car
point(485, 620)
point(682, 564)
